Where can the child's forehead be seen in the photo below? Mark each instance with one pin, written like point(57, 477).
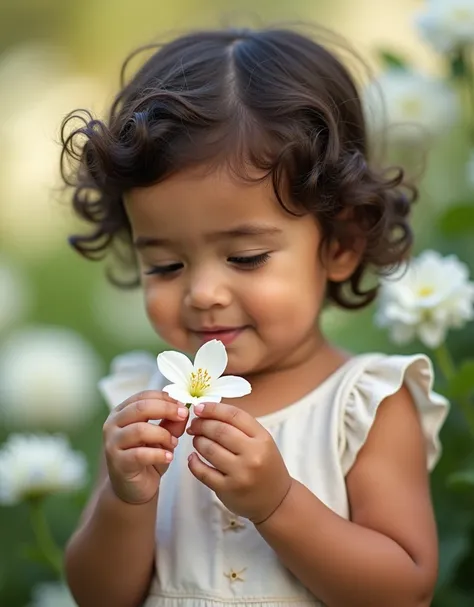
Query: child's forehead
point(216, 197)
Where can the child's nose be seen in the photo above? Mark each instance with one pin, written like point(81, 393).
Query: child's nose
point(206, 290)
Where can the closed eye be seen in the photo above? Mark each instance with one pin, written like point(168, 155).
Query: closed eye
point(164, 270)
point(249, 262)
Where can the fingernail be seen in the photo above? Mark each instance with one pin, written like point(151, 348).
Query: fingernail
point(189, 457)
point(168, 456)
point(198, 408)
point(174, 441)
point(182, 412)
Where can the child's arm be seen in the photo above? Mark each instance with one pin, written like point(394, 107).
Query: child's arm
point(386, 555)
point(109, 560)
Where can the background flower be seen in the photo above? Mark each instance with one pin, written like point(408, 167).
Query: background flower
point(433, 295)
point(48, 378)
point(414, 104)
point(38, 465)
point(130, 373)
point(447, 24)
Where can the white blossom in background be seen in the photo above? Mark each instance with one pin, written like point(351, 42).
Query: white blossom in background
point(447, 24)
point(48, 378)
point(33, 465)
point(202, 381)
point(15, 295)
point(433, 295)
point(411, 104)
point(130, 373)
point(50, 594)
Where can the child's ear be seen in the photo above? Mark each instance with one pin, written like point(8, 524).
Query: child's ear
point(341, 262)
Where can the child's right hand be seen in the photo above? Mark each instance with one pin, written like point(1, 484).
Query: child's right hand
point(139, 453)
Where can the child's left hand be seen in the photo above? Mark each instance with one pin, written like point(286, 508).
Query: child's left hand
point(247, 472)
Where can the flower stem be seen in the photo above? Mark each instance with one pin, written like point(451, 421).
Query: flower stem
point(445, 362)
point(44, 540)
point(448, 369)
point(469, 70)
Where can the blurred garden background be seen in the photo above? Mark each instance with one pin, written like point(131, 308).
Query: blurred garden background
point(61, 323)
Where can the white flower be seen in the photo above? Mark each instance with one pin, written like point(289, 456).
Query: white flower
point(201, 382)
point(48, 378)
point(50, 594)
point(15, 295)
point(38, 464)
point(447, 24)
point(432, 296)
point(411, 104)
point(130, 373)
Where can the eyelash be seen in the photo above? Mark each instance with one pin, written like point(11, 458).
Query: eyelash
point(249, 262)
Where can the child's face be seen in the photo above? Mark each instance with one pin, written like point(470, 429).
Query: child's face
point(220, 259)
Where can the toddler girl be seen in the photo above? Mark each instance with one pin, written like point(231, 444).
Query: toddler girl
point(232, 175)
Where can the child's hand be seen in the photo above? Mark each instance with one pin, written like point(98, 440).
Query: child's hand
point(139, 453)
point(248, 475)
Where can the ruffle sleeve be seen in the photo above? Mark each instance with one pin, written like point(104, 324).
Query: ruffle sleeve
point(130, 373)
point(379, 377)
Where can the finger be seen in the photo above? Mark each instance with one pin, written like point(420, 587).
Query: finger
point(130, 459)
point(230, 415)
point(144, 434)
point(228, 436)
point(144, 395)
point(215, 454)
point(146, 408)
point(208, 476)
point(175, 428)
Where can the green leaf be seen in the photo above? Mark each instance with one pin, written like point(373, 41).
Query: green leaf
point(391, 60)
point(464, 479)
point(458, 220)
point(32, 553)
point(462, 384)
point(452, 550)
point(458, 66)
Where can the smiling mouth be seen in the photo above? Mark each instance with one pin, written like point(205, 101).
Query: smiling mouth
point(225, 335)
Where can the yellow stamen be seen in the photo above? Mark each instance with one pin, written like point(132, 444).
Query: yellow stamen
point(200, 382)
point(411, 107)
point(425, 291)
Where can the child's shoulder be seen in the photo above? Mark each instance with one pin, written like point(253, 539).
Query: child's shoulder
point(371, 379)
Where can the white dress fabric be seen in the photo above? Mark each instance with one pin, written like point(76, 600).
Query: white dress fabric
point(208, 557)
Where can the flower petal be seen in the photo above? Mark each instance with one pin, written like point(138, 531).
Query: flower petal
point(179, 393)
point(206, 399)
point(229, 386)
point(176, 367)
point(212, 357)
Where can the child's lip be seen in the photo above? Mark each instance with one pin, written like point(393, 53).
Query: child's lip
point(224, 334)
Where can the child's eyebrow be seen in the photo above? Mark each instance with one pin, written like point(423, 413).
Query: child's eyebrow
point(242, 231)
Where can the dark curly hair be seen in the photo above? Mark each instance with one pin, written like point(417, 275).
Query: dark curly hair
point(271, 99)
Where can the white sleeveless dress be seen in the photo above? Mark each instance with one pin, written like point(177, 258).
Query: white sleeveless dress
point(208, 557)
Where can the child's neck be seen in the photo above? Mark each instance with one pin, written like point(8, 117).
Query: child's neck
point(277, 388)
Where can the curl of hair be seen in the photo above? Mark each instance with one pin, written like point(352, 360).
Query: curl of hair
point(272, 100)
